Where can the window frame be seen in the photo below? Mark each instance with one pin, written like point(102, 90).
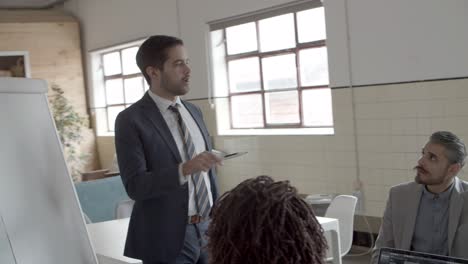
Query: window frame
point(98, 94)
point(256, 18)
point(121, 76)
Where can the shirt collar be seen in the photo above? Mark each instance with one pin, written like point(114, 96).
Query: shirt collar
point(162, 103)
point(443, 195)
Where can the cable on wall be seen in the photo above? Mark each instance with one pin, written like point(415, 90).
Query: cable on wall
point(358, 183)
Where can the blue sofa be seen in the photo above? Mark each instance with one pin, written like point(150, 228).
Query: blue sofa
point(99, 198)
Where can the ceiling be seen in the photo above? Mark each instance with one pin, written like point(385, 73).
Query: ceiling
point(28, 4)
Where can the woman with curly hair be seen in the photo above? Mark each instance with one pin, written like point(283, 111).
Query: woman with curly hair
point(264, 222)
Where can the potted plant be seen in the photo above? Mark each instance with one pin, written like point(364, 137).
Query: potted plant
point(69, 124)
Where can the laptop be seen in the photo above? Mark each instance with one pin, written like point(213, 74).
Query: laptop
point(398, 256)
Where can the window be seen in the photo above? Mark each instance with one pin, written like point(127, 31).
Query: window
point(272, 70)
point(118, 83)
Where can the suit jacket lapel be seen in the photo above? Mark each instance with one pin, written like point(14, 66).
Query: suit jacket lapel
point(201, 125)
point(152, 112)
point(414, 197)
point(456, 205)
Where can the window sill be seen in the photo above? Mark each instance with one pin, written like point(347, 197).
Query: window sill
point(106, 134)
point(284, 131)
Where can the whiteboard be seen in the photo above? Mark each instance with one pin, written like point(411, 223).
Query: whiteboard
point(41, 217)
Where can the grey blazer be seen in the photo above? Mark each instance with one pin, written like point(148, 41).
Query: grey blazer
point(400, 214)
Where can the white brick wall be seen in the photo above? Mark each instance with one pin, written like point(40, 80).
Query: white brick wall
point(393, 123)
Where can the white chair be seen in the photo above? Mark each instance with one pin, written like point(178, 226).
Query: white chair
point(124, 209)
point(342, 208)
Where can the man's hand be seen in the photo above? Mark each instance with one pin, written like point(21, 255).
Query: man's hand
point(202, 162)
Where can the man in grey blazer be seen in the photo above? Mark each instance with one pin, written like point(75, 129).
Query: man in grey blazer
point(163, 151)
point(430, 214)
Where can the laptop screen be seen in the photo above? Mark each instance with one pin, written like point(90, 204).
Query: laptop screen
point(398, 256)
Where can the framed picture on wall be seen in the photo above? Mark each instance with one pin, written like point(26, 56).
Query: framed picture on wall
point(14, 64)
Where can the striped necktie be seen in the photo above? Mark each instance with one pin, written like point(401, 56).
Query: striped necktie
point(201, 192)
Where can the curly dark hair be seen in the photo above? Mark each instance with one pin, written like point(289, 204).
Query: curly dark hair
point(262, 221)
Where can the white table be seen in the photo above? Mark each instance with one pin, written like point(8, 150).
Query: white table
point(108, 239)
point(331, 224)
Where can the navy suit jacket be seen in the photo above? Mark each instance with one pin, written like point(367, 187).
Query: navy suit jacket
point(149, 166)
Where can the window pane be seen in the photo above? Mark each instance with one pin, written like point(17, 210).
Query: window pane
point(112, 112)
point(244, 75)
point(114, 91)
point(314, 66)
point(311, 25)
point(317, 107)
point(219, 71)
point(111, 63)
point(277, 33)
point(279, 72)
point(247, 111)
point(133, 89)
point(241, 38)
point(282, 108)
point(129, 61)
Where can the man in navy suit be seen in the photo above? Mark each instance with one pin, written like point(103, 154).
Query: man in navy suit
point(166, 225)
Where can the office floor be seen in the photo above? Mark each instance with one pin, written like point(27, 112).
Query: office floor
point(356, 259)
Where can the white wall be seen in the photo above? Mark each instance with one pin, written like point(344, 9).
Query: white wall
point(390, 41)
point(397, 41)
point(106, 23)
point(379, 129)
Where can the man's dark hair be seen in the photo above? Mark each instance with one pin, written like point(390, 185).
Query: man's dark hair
point(264, 222)
point(456, 150)
point(153, 52)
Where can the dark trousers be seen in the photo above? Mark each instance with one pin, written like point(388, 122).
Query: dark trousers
point(193, 251)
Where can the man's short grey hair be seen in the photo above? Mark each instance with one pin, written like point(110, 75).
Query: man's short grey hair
point(456, 150)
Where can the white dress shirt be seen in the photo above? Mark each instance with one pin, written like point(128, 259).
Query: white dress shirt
point(197, 138)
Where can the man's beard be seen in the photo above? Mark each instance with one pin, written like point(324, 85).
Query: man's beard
point(174, 89)
point(417, 178)
point(428, 181)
